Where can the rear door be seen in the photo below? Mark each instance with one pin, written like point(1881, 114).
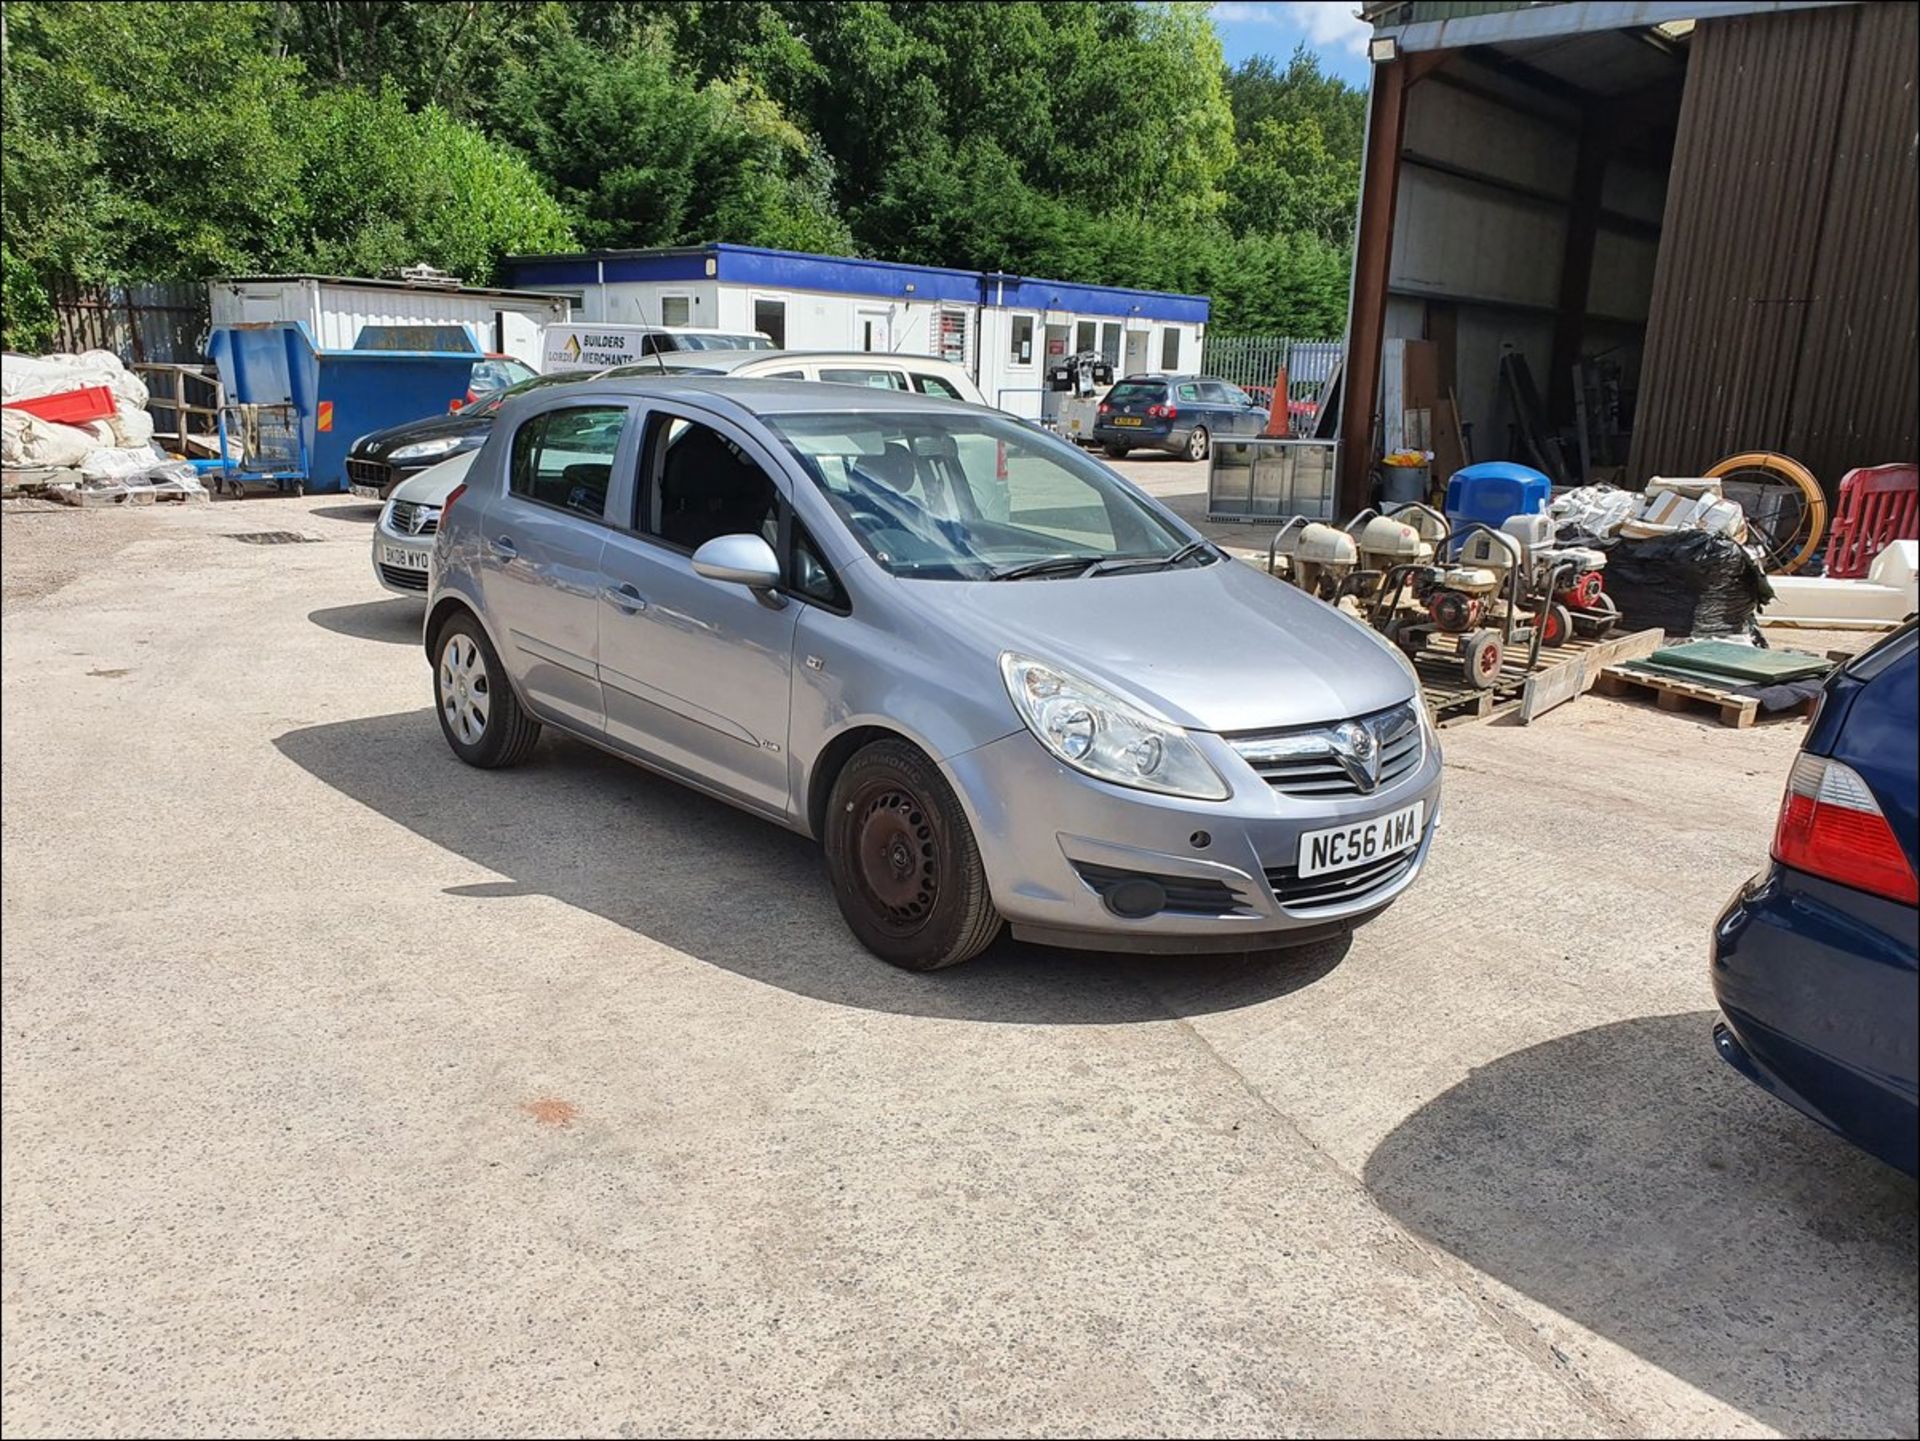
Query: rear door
point(540, 567)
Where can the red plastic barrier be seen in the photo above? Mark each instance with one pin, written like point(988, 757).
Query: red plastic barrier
point(69, 407)
point(1878, 505)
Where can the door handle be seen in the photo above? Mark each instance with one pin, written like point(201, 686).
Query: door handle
point(504, 547)
point(625, 598)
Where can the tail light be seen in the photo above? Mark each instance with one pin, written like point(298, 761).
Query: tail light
point(1164, 412)
point(1105, 409)
point(1831, 826)
point(446, 506)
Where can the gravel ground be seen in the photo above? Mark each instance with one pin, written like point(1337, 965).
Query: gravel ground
point(350, 1091)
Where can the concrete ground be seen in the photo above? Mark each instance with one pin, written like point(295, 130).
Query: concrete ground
point(348, 1090)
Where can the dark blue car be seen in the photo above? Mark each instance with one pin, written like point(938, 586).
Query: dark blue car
point(1180, 414)
point(1814, 960)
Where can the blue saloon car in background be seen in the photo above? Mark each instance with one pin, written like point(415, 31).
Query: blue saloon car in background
point(1814, 959)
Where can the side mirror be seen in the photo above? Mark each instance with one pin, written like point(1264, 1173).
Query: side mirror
point(738, 560)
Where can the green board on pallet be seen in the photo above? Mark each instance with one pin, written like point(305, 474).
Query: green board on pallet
point(1740, 664)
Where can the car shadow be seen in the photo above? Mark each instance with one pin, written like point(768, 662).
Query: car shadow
point(397, 621)
point(363, 510)
point(737, 892)
point(1628, 1179)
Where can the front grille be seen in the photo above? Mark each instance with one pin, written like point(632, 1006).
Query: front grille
point(1186, 895)
point(401, 517)
point(406, 579)
point(1305, 760)
point(369, 472)
point(1340, 888)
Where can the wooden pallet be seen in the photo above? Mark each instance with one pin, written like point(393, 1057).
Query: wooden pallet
point(1672, 693)
point(1563, 673)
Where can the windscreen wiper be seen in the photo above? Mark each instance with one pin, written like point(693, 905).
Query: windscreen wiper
point(1045, 565)
point(1133, 562)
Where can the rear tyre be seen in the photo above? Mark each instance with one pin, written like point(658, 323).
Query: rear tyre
point(480, 715)
point(1197, 443)
point(905, 869)
point(1480, 659)
point(1116, 452)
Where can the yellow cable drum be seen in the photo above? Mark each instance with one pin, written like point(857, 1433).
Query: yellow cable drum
point(1786, 509)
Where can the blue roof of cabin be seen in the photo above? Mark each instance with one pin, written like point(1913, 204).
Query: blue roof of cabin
point(847, 275)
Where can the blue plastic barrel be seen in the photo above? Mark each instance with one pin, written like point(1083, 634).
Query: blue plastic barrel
point(1494, 490)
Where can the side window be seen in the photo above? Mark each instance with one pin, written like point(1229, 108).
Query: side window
point(812, 576)
point(564, 458)
point(1085, 336)
point(1214, 392)
point(876, 379)
point(934, 385)
point(1189, 391)
point(784, 374)
point(1237, 396)
point(698, 485)
point(676, 310)
point(1170, 348)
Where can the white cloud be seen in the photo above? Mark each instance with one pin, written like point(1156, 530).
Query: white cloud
point(1327, 23)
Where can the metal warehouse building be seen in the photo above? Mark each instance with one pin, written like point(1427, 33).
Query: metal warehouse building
point(1713, 201)
point(1002, 328)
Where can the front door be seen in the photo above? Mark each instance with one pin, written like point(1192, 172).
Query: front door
point(1136, 354)
point(540, 564)
point(697, 673)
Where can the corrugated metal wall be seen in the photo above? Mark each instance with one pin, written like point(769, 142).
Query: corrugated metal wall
point(1788, 285)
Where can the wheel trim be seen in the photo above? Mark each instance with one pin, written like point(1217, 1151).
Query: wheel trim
point(896, 858)
point(466, 691)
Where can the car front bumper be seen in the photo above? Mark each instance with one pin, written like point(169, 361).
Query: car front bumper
point(1817, 989)
point(1054, 843)
point(401, 562)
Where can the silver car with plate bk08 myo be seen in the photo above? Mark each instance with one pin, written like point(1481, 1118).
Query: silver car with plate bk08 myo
point(999, 684)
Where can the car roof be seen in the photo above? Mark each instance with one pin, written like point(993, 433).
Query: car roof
point(730, 359)
point(758, 396)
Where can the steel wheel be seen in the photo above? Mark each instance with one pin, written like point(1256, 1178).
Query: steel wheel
point(466, 692)
point(896, 858)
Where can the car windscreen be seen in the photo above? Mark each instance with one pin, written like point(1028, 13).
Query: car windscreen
point(977, 497)
point(1127, 392)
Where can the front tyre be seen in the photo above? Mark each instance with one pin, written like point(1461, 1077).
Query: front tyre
point(905, 869)
point(480, 715)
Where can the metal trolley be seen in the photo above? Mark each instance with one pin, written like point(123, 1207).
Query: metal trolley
point(262, 445)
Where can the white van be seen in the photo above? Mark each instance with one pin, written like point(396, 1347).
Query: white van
point(924, 374)
point(598, 347)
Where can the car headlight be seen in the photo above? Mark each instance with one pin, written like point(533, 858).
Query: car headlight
point(1095, 731)
point(422, 449)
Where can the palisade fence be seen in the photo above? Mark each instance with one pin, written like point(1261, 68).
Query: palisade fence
point(155, 322)
point(1253, 361)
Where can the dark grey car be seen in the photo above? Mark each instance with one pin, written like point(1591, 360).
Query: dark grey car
point(1180, 414)
point(998, 682)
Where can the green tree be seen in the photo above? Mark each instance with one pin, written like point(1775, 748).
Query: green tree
point(640, 156)
point(1285, 180)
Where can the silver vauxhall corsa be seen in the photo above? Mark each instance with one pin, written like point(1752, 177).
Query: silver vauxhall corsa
point(995, 681)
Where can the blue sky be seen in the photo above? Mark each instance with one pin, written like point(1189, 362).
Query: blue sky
point(1326, 26)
